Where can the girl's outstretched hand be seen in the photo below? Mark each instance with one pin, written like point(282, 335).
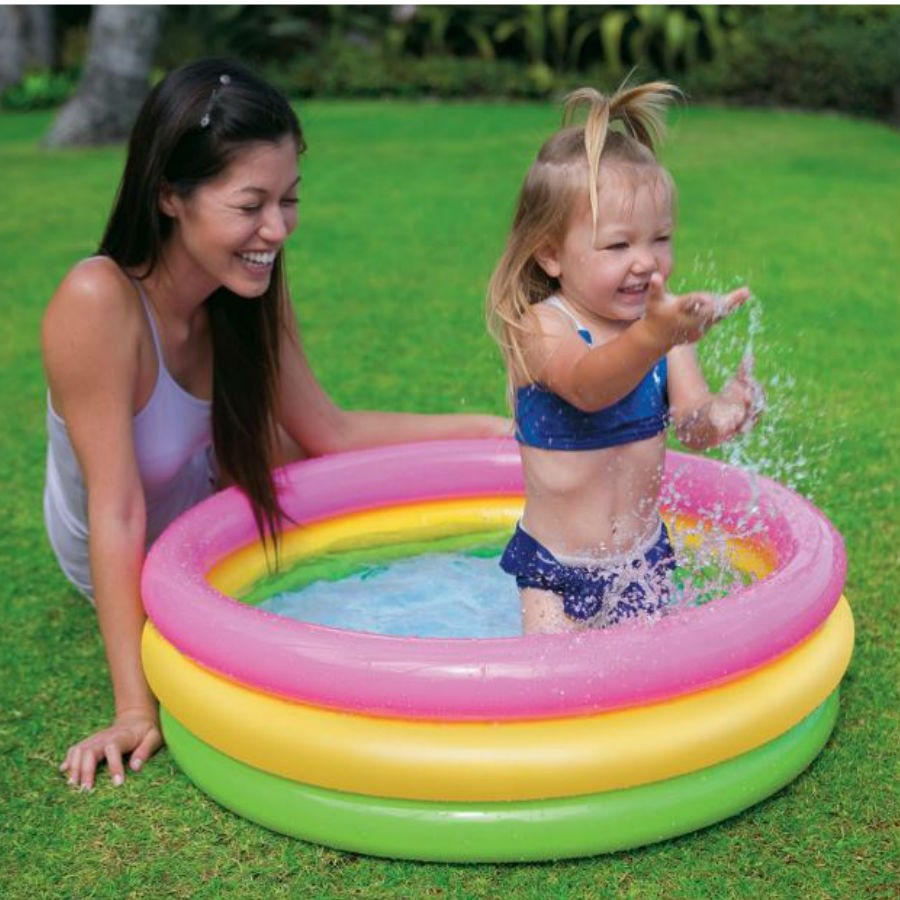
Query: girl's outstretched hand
point(685, 318)
point(135, 732)
point(738, 406)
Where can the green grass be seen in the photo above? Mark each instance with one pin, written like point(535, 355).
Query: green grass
point(403, 213)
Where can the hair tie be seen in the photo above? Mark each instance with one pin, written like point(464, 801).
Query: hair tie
point(205, 118)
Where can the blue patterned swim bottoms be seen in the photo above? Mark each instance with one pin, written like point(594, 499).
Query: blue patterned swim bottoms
point(602, 593)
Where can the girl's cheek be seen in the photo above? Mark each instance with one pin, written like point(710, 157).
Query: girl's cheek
point(667, 264)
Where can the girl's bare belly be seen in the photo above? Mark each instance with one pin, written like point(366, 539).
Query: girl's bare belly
point(593, 503)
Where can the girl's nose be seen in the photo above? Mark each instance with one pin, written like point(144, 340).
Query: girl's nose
point(644, 260)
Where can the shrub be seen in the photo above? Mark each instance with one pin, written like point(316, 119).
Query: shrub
point(42, 89)
point(349, 70)
point(839, 58)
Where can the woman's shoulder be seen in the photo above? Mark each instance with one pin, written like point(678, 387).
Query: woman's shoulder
point(93, 310)
point(97, 279)
point(95, 289)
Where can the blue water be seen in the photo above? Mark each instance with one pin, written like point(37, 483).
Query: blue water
point(430, 595)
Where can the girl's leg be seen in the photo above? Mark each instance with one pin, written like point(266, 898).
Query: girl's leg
point(542, 613)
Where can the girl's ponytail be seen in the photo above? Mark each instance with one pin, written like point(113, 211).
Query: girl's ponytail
point(639, 111)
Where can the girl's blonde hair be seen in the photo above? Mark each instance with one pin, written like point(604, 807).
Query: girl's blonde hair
point(622, 129)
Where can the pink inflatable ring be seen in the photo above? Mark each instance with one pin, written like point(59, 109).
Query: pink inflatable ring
point(531, 677)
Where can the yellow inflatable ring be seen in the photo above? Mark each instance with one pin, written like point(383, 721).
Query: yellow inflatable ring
point(513, 760)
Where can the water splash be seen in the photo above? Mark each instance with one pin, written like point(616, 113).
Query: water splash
point(773, 448)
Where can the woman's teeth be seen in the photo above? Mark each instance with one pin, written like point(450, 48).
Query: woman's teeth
point(258, 259)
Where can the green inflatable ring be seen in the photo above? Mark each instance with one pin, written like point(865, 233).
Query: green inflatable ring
point(504, 831)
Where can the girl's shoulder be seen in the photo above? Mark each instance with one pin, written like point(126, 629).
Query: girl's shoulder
point(552, 312)
point(555, 338)
point(557, 320)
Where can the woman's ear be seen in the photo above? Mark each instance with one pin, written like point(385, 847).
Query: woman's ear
point(547, 258)
point(168, 200)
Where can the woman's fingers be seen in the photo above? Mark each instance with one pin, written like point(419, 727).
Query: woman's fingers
point(148, 746)
point(141, 738)
point(114, 760)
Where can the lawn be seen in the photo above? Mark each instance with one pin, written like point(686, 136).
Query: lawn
point(404, 209)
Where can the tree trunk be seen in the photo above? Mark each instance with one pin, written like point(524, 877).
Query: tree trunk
point(12, 46)
point(39, 41)
point(122, 41)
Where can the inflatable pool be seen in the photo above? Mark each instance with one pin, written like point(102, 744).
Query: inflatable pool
point(501, 749)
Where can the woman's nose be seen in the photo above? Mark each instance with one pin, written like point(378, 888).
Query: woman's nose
point(274, 227)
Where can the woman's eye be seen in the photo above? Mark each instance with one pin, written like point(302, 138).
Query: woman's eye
point(290, 201)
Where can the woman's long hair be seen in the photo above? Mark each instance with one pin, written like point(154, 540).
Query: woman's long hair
point(190, 128)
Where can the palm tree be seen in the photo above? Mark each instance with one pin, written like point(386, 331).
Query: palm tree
point(121, 45)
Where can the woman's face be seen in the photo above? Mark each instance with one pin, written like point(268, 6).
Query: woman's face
point(229, 230)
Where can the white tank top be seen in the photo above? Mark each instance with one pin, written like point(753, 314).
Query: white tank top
point(173, 445)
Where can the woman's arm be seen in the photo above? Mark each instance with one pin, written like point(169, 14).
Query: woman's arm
point(91, 349)
point(319, 426)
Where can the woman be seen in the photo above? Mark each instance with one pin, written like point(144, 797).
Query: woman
point(174, 364)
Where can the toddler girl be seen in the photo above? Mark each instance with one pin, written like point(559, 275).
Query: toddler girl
point(600, 359)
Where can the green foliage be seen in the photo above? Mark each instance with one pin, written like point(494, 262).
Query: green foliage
point(346, 70)
point(840, 58)
point(42, 89)
point(664, 39)
point(815, 57)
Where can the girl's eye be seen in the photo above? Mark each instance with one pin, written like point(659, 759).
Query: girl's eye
point(290, 201)
point(664, 238)
point(621, 245)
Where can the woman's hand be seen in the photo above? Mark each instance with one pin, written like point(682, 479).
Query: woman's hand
point(684, 319)
point(133, 731)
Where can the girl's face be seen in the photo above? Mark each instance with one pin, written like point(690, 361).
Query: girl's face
point(607, 275)
point(229, 230)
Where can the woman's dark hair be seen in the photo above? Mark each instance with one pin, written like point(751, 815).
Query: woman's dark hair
point(190, 127)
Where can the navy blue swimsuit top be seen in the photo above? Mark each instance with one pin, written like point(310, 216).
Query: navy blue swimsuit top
point(547, 421)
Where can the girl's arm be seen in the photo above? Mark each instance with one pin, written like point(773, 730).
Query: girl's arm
point(319, 426)
point(592, 378)
point(701, 418)
point(91, 352)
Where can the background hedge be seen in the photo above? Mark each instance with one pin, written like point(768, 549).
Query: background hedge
point(841, 58)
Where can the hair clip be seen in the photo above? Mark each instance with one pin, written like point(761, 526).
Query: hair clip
point(205, 118)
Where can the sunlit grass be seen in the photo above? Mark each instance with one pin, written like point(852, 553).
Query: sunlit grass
point(404, 211)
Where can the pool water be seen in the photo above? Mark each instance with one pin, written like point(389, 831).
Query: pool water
point(430, 595)
point(461, 594)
